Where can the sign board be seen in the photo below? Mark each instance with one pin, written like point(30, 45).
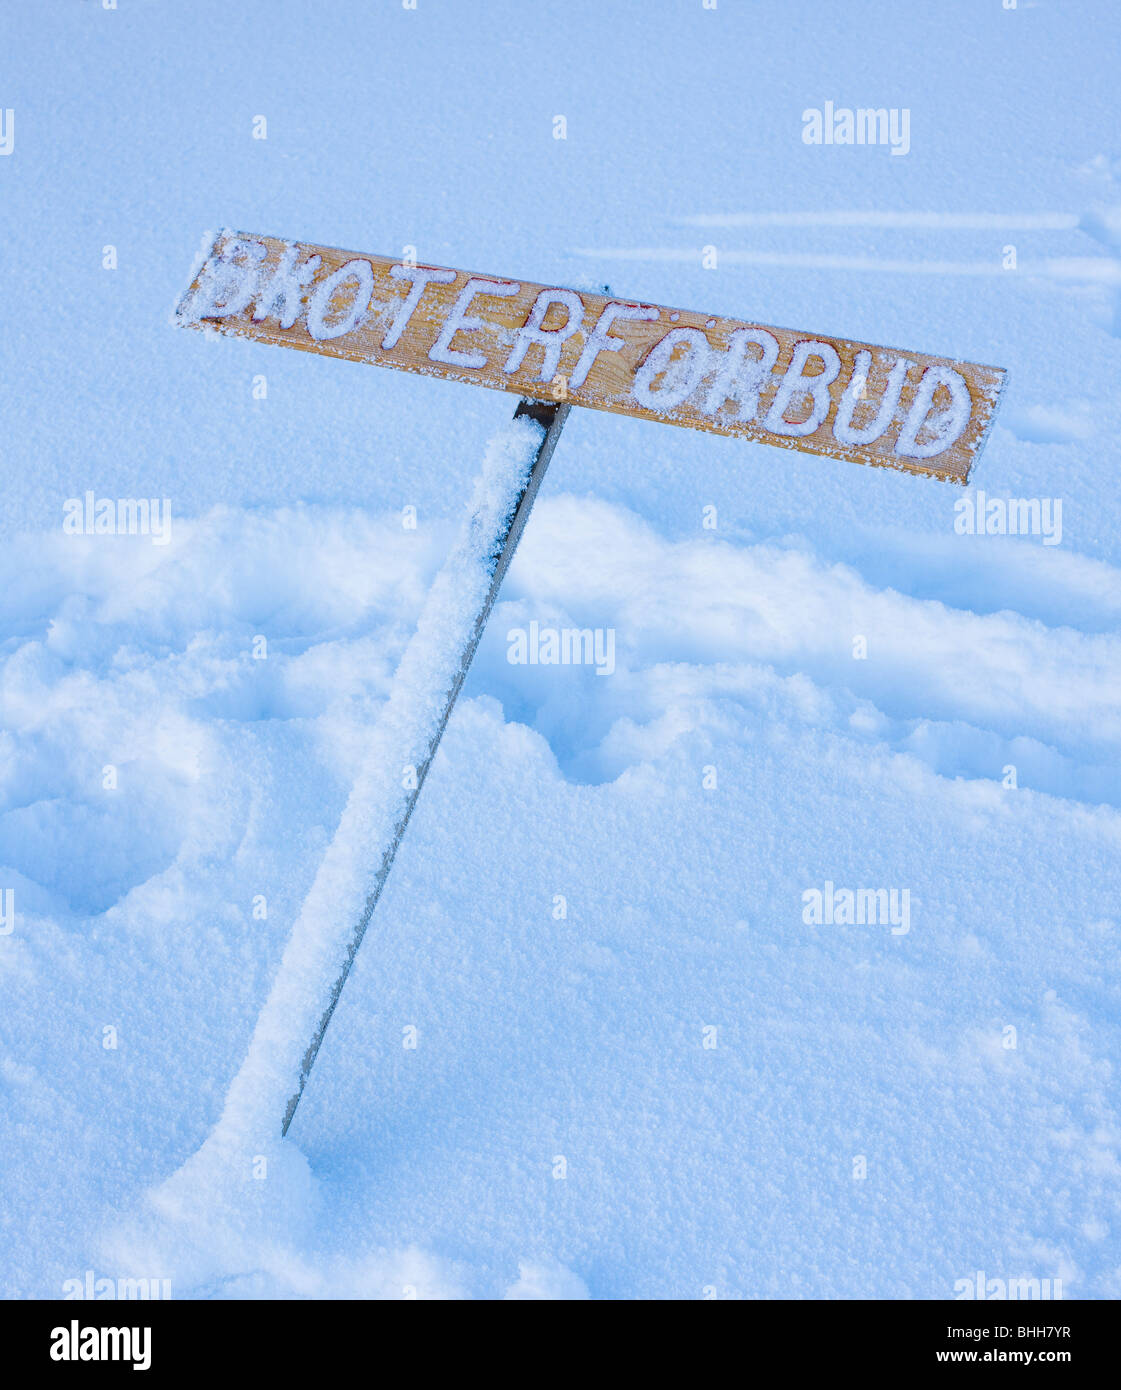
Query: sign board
point(554, 348)
point(807, 391)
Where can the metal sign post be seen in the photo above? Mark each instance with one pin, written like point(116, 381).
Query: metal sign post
point(505, 541)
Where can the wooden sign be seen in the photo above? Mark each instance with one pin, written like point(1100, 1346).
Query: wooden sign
point(554, 348)
point(806, 391)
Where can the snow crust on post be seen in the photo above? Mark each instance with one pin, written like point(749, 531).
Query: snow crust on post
point(322, 939)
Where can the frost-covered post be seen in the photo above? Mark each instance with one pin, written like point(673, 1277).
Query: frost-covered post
point(500, 510)
point(350, 879)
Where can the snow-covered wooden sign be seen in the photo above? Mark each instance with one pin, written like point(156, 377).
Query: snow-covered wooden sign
point(806, 391)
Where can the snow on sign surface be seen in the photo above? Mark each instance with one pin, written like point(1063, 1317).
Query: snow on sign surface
point(820, 394)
